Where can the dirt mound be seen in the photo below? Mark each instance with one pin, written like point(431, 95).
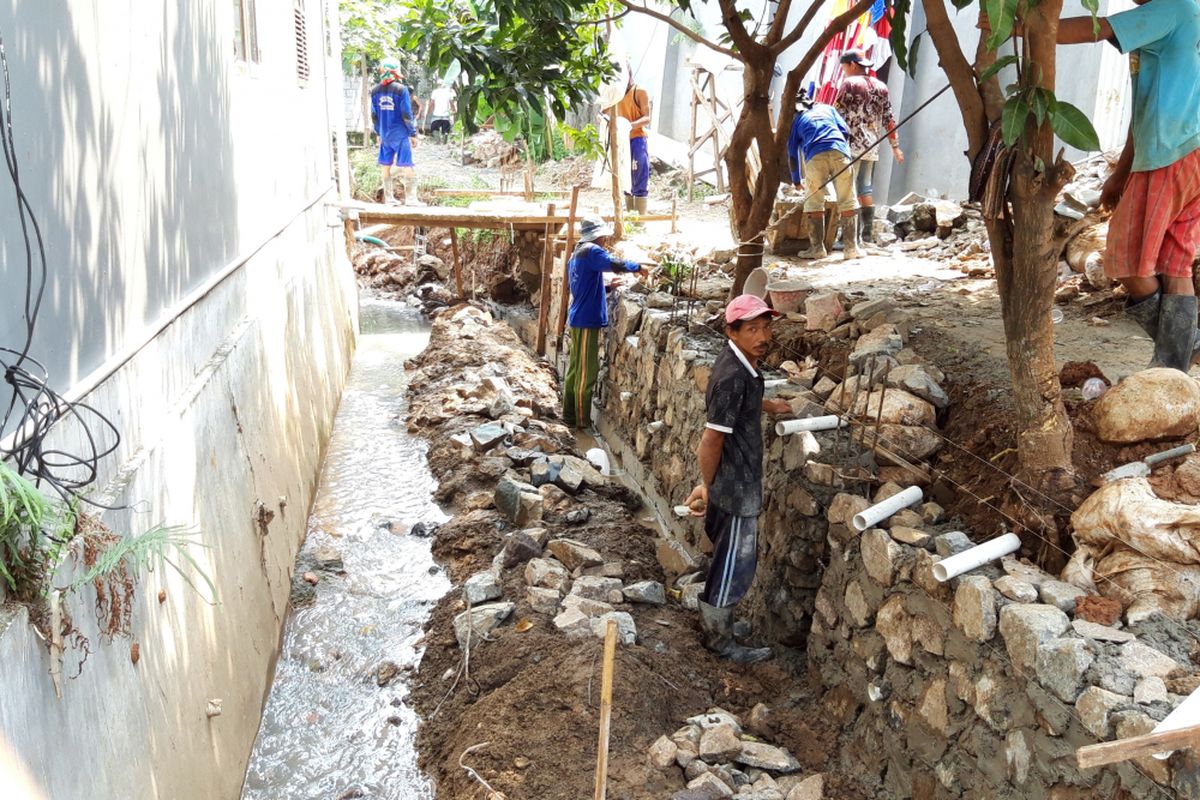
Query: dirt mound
point(526, 690)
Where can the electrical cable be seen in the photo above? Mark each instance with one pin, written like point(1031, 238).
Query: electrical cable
point(34, 409)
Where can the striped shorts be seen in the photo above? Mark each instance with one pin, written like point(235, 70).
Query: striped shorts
point(735, 556)
point(1156, 227)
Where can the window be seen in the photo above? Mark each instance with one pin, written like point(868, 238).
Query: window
point(301, 42)
point(245, 31)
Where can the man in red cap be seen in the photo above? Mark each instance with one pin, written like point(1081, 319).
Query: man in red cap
point(730, 453)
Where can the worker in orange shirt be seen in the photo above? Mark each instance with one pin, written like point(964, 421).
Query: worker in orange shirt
point(635, 107)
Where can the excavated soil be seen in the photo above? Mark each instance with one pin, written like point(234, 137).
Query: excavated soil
point(533, 696)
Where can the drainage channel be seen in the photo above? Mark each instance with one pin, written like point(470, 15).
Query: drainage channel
point(329, 728)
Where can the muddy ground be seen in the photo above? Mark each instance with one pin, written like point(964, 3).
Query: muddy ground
point(532, 697)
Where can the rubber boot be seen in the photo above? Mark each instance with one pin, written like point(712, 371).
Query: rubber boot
point(640, 204)
point(411, 198)
point(629, 206)
point(1145, 312)
point(816, 237)
point(850, 237)
point(866, 228)
point(717, 624)
point(389, 191)
point(1175, 341)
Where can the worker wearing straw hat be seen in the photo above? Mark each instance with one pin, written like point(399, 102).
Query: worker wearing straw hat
point(588, 315)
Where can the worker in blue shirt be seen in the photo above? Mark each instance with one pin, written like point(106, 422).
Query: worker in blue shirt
point(587, 316)
point(820, 138)
point(392, 116)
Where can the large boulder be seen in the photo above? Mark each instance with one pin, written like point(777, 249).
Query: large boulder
point(1152, 404)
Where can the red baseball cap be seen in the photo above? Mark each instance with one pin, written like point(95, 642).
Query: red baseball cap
point(747, 306)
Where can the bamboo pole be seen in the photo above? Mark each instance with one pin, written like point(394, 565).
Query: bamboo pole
point(565, 297)
point(457, 262)
point(547, 268)
point(606, 686)
point(1097, 755)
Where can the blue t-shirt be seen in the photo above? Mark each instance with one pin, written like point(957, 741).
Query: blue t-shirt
point(391, 110)
point(1163, 37)
point(815, 131)
point(588, 264)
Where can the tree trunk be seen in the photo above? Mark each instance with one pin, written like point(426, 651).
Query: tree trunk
point(1025, 277)
point(752, 211)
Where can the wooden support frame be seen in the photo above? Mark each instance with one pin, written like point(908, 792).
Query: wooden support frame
point(458, 281)
point(547, 268)
point(565, 298)
point(717, 113)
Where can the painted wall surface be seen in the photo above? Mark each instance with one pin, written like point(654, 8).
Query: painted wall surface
point(1093, 77)
point(156, 164)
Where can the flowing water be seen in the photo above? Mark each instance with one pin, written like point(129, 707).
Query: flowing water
point(328, 730)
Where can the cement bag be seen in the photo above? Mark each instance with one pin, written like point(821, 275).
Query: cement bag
point(1152, 404)
point(1145, 585)
point(1127, 511)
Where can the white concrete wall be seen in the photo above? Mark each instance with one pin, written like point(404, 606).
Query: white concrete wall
point(1093, 77)
point(184, 200)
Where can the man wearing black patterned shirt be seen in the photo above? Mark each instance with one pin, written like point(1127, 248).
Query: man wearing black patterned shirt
point(730, 453)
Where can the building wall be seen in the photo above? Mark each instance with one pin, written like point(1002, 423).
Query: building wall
point(1092, 77)
point(198, 295)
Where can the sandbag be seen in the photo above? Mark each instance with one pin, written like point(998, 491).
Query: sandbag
point(1139, 549)
point(1127, 511)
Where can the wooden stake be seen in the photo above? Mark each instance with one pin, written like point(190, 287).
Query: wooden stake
point(674, 216)
point(547, 268)
point(1097, 755)
point(457, 264)
point(606, 686)
point(565, 298)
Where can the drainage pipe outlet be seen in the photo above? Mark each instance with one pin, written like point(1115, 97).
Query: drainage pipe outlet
point(827, 423)
point(977, 556)
point(881, 511)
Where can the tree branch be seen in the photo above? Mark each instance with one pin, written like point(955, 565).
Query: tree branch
point(737, 30)
point(798, 31)
point(679, 26)
point(603, 20)
point(959, 72)
point(781, 14)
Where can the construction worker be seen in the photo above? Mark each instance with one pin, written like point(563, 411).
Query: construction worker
point(730, 493)
point(588, 315)
point(864, 103)
point(635, 107)
point(392, 117)
point(1155, 231)
point(442, 106)
point(820, 138)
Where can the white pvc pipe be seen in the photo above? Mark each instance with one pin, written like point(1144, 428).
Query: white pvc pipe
point(1185, 715)
point(881, 511)
point(790, 426)
point(775, 383)
point(977, 556)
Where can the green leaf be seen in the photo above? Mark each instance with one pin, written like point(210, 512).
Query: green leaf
point(999, 64)
point(1001, 16)
point(1073, 127)
point(1041, 104)
point(1012, 121)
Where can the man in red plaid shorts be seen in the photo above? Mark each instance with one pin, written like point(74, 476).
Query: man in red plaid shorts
point(1155, 230)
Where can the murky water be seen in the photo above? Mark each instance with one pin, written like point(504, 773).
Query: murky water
point(329, 730)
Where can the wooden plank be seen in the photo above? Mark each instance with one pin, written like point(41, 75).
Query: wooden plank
point(565, 300)
point(457, 263)
point(1097, 755)
point(547, 267)
point(492, 193)
point(446, 217)
point(606, 688)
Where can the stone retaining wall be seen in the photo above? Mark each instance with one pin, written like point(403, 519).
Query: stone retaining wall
point(980, 687)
